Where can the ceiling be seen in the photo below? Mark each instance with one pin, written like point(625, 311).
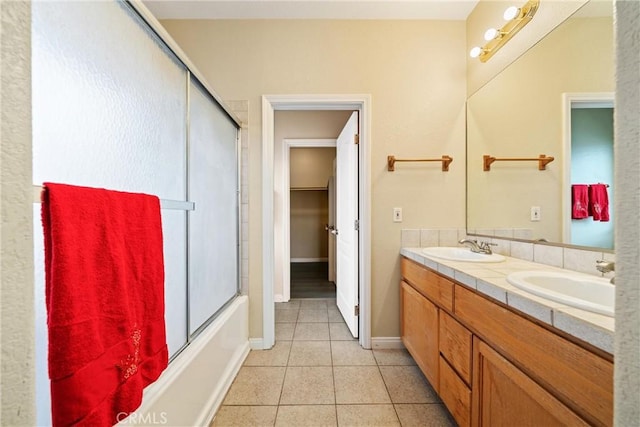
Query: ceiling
point(311, 9)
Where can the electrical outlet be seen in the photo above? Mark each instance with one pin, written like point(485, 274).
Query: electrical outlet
point(397, 214)
point(535, 213)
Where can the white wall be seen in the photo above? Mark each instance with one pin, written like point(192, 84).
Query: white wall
point(17, 331)
point(627, 204)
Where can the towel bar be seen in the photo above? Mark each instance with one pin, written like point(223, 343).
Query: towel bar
point(164, 203)
point(446, 161)
point(542, 160)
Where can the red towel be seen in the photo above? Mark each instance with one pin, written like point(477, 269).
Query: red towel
point(105, 301)
point(599, 202)
point(579, 201)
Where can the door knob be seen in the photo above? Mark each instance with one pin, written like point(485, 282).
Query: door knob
point(334, 232)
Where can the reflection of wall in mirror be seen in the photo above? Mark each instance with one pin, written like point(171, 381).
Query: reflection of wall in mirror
point(591, 163)
point(519, 114)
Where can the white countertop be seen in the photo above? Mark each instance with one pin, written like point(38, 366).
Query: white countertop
point(490, 279)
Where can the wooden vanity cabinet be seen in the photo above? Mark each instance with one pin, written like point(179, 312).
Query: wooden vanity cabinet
point(420, 335)
point(493, 366)
point(505, 396)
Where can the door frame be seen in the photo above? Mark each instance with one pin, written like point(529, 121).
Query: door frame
point(358, 102)
point(569, 100)
point(286, 204)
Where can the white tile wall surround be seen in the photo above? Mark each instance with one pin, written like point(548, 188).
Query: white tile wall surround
point(550, 255)
point(523, 233)
point(410, 238)
point(449, 237)
point(504, 232)
point(522, 250)
point(429, 238)
point(582, 260)
point(571, 259)
point(241, 110)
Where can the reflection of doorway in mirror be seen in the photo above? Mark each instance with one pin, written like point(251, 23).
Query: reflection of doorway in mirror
point(589, 160)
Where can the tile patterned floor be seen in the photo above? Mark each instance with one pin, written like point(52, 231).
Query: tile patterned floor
point(318, 375)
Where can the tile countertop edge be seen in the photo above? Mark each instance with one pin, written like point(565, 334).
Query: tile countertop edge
point(583, 325)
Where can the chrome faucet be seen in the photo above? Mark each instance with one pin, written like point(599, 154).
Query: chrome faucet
point(480, 248)
point(605, 267)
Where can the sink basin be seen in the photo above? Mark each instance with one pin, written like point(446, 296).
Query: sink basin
point(593, 294)
point(460, 254)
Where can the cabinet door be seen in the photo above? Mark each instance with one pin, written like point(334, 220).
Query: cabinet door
point(419, 330)
point(505, 396)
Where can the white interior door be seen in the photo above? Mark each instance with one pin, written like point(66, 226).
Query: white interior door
point(347, 215)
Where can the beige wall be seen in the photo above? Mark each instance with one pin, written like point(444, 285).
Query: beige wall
point(311, 167)
point(309, 214)
point(519, 114)
point(488, 14)
point(415, 73)
point(17, 328)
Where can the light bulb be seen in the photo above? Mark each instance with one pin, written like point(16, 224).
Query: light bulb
point(511, 13)
point(475, 52)
point(490, 34)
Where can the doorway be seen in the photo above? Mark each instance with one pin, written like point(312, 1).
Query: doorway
point(588, 159)
point(308, 205)
point(361, 104)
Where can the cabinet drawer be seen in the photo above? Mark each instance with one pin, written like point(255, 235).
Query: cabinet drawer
point(455, 394)
point(428, 283)
point(455, 346)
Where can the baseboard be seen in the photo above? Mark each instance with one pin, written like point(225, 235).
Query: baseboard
point(379, 343)
point(278, 298)
point(309, 259)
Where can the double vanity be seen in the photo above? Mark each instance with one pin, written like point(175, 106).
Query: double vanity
point(509, 342)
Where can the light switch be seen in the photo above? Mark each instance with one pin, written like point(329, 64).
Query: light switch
point(535, 213)
point(397, 214)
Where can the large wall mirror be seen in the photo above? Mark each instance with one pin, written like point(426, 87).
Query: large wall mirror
point(557, 100)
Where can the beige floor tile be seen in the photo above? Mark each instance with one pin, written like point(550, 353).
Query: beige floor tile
point(313, 316)
point(286, 316)
point(243, 416)
point(367, 415)
point(397, 357)
point(424, 415)
point(313, 304)
point(334, 315)
point(359, 384)
point(277, 356)
point(340, 332)
point(349, 353)
point(307, 415)
point(256, 385)
point(310, 353)
point(291, 305)
point(284, 331)
point(308, 386)
point(406, 384)
point(311, 332)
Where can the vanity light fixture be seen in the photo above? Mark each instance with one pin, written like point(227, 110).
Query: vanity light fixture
point(517, 18)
